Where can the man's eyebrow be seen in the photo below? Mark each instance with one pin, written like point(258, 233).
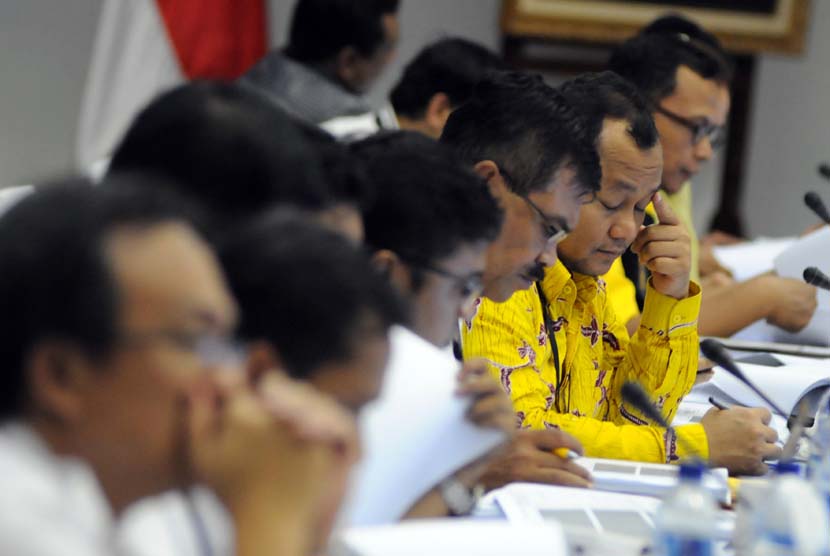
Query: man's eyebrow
point(631, 188)
point(560, 223)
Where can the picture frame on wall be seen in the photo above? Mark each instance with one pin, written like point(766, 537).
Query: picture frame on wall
point(743, 26)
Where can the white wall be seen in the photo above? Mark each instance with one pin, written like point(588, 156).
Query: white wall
point(422, 21)
point(790, 134)
point(45, 47)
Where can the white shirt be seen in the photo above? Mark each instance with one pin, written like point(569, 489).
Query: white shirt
point(50, 506)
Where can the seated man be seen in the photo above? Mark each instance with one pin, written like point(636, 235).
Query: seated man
point(291, 268)
point(336, 50)
point(430, 238)
point(535, 154)
point(539, 162)
point(558, 348)
point(227, 149)
point(682, 70)
point(119, 383)
point(437, 81)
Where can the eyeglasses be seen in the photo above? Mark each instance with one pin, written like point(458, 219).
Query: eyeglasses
point(553, 231)
point(715, 133)
point(469, 287)
point(210, 349)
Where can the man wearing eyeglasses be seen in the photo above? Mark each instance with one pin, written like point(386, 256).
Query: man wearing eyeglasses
point(430, 233)
point(685, 74)
point(558, 347)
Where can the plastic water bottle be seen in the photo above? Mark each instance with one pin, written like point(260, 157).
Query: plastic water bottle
point(687, 520)
point(819, 465)
point(793, 519)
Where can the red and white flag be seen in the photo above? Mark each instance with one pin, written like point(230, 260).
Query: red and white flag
point(146, 46)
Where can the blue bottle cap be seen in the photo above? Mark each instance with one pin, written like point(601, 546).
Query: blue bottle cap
point(692, 471)
point(788, 468)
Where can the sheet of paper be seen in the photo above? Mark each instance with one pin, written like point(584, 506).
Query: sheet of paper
point(693, 411)
point(810, 250)
point(453, 537)
point(749, 259)
point(785, 385)
point(414, 435)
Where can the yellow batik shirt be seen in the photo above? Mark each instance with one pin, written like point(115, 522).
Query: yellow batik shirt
point(597, 357)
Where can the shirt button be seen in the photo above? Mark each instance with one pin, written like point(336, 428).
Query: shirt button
point(676, 318)
point(567, 289)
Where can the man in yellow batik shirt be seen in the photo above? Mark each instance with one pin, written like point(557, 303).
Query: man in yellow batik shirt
point(559, 349)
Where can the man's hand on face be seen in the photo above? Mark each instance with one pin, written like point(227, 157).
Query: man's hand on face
point(257, 450)
point(665, 249)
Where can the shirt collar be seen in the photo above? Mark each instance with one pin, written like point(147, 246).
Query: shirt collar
point(557, 277)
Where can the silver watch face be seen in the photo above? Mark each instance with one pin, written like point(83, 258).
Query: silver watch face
point(457, 497)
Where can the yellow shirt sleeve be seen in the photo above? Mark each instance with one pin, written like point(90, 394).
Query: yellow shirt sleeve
point(512, 338)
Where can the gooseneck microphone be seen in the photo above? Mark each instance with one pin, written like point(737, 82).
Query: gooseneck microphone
point(714, 350)
point(815, 277)
point(635, 395)
point(813, 200)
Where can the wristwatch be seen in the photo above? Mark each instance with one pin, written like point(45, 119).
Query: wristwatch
point(459, 499)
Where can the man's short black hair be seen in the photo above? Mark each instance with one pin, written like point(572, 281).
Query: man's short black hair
point(428, 203)
point(322, 28)
point(597, 96)
point(650, 59)
point(345, 174)
point(306, 290)
point(227, 147)
point(527, 128)
point(55, 279)
point(451, 66)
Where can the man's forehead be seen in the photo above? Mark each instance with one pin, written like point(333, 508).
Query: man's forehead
point(167, 268)
point(699, 97)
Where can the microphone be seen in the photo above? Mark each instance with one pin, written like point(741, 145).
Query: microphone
point(824, 170)
point(634, 395)
point(714, 350)
point(815, 277)
point(812, 200)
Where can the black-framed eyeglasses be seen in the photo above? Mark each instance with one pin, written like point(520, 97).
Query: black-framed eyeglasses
point(553, 231)
point(715, 133)
point(210, 349)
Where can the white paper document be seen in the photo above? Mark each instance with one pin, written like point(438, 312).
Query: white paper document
point(749, 259)
point(453, 537)
point(414, 435)
point(810, 250)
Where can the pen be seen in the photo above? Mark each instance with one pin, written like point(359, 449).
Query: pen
point(566, 453)
point(717, 404)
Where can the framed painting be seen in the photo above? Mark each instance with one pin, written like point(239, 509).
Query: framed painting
point(744, 26)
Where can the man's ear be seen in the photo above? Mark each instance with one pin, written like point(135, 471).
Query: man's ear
point(489, 171)
point(263, 358)
point(437, 112)
point(347, 66)
point(57, 377)
point(396, 271)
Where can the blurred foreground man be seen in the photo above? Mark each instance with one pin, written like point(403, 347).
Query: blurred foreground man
point(121, 382)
